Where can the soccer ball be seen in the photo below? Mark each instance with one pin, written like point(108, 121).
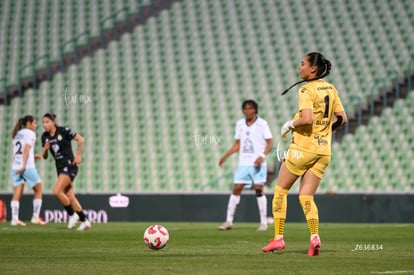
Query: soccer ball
point(156, 237)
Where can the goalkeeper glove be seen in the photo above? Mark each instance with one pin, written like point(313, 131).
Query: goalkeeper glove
point(286, 128)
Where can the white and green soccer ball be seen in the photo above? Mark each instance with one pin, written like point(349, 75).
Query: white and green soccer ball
point(156, 237)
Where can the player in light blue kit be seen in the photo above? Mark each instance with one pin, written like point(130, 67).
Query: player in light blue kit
point(253, 141)
point(24, 170)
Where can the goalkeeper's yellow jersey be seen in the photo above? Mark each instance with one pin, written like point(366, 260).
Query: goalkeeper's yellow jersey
point(323, 99)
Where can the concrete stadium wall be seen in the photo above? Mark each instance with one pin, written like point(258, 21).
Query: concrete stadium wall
point(358, 208)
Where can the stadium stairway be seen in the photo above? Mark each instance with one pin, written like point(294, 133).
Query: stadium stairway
point(87, 48)
point(377, 103)
point(189, 69)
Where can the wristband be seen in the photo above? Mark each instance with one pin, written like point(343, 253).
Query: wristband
point(263, 155)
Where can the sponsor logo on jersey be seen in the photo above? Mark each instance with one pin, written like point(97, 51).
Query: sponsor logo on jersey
point(321, 122)
point(324, 88)
point(321, 141)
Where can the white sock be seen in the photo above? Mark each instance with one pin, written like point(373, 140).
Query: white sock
point(15, 205)
point(232, 206)
point(313, 235)
point(262, 204)
point(37, 205)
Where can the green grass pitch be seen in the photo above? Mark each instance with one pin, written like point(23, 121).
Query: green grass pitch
point(199, 248)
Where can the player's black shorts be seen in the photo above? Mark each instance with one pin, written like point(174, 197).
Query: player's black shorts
point(70, 170)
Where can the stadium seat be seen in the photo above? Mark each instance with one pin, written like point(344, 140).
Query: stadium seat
point(190, 68)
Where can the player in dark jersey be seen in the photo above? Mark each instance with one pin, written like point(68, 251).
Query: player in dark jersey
point(57, 140)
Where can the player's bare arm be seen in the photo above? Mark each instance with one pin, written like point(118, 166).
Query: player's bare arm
point(78, 157)
point(26, 152)
point(269, 145)
point(305, 119)
point(38, 156)
point(232, 150)
point(45, 148)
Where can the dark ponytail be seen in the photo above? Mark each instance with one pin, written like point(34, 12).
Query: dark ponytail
point(21, 123)
point(50, 116)
point(318, 60)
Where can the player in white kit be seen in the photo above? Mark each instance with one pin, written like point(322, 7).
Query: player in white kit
point(253, 141)
point(24, 170)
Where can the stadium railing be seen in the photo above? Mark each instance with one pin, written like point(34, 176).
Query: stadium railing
point(377, 85)
point(119, 23)
point(410, 71)
point(5, 95)
point(32, 65)
point(75, 42)
point(394, 77)
point(113, 19)
point(357, 100)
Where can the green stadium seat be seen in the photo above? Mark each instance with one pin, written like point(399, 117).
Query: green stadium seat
point(190, 68)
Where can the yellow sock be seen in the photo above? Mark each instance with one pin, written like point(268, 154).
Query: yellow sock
point(279, 207)
point(311, 213)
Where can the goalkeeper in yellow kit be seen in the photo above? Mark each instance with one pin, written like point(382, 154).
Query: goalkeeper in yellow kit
point(320, 113)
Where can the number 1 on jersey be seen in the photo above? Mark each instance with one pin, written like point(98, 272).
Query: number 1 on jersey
point(326, 99)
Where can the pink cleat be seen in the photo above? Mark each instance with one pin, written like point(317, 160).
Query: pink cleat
point(38, 221)
point(17, 222)
point(314, 246)
point(274, 245)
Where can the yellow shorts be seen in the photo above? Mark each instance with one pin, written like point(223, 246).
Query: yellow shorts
point(298, 162)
